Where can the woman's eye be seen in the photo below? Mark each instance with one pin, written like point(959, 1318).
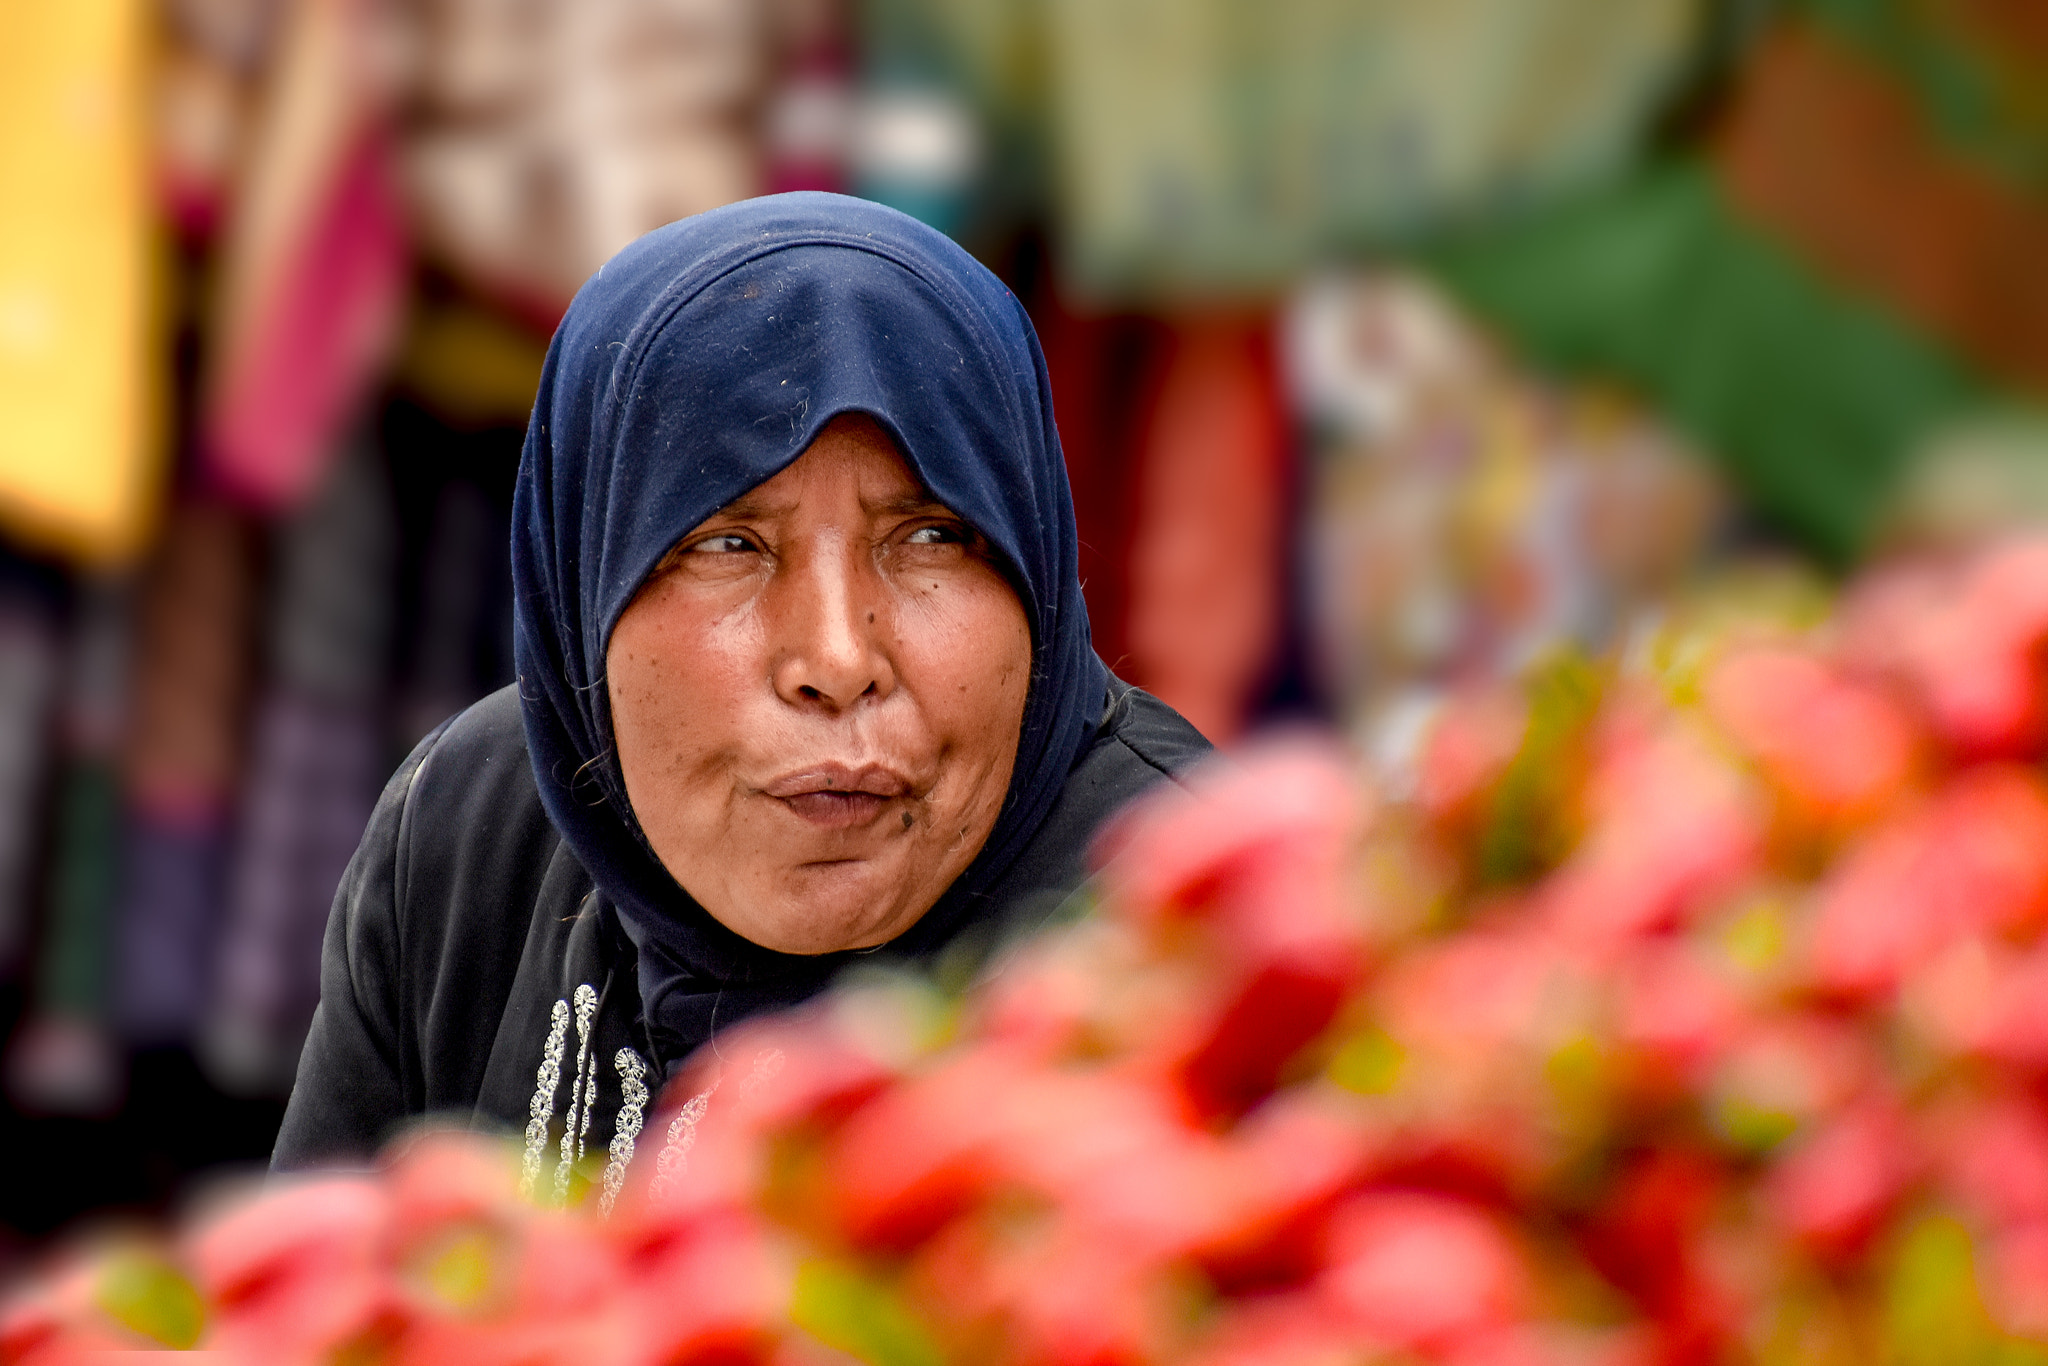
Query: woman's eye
point(937, 535)
point(726, 543)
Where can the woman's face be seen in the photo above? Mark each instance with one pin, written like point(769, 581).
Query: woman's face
point(817, 698)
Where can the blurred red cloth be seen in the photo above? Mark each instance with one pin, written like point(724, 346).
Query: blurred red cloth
point(1177, 442)
point(1207, 553)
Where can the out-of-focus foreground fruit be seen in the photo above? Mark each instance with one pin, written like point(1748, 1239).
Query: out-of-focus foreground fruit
point(1694, 1010)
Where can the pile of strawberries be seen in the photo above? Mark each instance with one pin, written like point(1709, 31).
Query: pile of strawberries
point(1691, 1009)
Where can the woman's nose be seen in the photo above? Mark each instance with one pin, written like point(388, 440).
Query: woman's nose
point(829, 646)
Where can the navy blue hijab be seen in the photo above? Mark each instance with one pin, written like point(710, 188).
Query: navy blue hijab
point(697, 363)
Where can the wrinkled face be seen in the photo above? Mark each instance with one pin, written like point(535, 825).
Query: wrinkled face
point(817, 698)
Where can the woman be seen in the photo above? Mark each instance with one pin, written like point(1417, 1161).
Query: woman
point(804, 675)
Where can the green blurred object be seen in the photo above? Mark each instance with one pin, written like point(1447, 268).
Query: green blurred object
point(854, 1313)
point(77, 947)
point(1528, 827)
point(1933, 1313)
point(1813, 400)
point(147, 1295)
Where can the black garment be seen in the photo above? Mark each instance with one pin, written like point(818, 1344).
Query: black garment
point(465, 931)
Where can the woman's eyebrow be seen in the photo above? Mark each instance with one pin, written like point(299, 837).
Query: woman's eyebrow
point(905, 503)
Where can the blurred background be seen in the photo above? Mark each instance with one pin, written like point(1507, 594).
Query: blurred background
point(1395, 343)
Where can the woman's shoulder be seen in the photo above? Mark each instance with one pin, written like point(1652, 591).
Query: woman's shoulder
point(473, 842)
point(451, 932)
point(1136, 726)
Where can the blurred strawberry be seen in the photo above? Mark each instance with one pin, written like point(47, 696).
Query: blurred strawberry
point(1996, 849)
point(1878, 914)
point(1986, 692)
point(918, 1154)
point(2011, 1023)
point(1290, 1161)
point(1290, 1329)
point(1254, 853)
point(1670, 825)
point(1044, 1292)
point(1480, 991)
point(94, 1303)
point(1967, 638)
point(718, 1297)
point(2015, 1277)
point(1975, 858)
point(1045, 996)
point(1280, 1007)
point(719, 1120)
point(799, 1067)
point(1675, 1015)
point(1832, 1191)
point(445, 1177)
point(1991, 1153)
point(1469, 748)
point(1784, 1073)
point(298, 1272)
point(1644, 1234)
point(1837, 750)
point(543, 1293)
point(1560, 1345)
point(1285, 812)
point(1422, 1272)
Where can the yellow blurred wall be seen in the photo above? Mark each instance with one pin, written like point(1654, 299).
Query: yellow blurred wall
point(74, 304)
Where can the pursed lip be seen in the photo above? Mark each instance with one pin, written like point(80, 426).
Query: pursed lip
point(874, 780)
point(839, 796)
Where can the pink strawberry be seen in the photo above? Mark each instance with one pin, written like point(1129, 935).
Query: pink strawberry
point(1421, 1272)
point(2015, 1279)
point(1671, 825)
point(1837, 749)
point(299, 1271)
point(1287, 809)
point(1833, 1191)
point(1992, 1155)
point(1470, 746)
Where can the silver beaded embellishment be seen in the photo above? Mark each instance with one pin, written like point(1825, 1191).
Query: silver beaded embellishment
point(542, 1111)
point(626, 1131)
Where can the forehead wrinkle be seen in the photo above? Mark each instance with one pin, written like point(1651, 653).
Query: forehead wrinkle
point(752, 504)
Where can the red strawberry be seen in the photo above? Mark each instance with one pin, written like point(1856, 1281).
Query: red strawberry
point(1837, 749)
point(1644, 1235)
point(299, 1271)
point(1671, 825)
point(718, 1298)
point(1675, 1013)
point(922, 1151)
point(1289, 1161)
point(1292, 1329)
point(1833, 1190)
point(1422, 1272)
point(1283, 810)
point(1469, 747)
point(2016, 1280)
point(1992, 1154)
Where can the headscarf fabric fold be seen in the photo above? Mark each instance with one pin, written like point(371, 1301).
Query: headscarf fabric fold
point(699, 362)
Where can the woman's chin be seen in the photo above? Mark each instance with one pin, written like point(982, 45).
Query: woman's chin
point(827, 907)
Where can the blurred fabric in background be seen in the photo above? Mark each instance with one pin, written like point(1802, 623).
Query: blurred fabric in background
point(1396, 345)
